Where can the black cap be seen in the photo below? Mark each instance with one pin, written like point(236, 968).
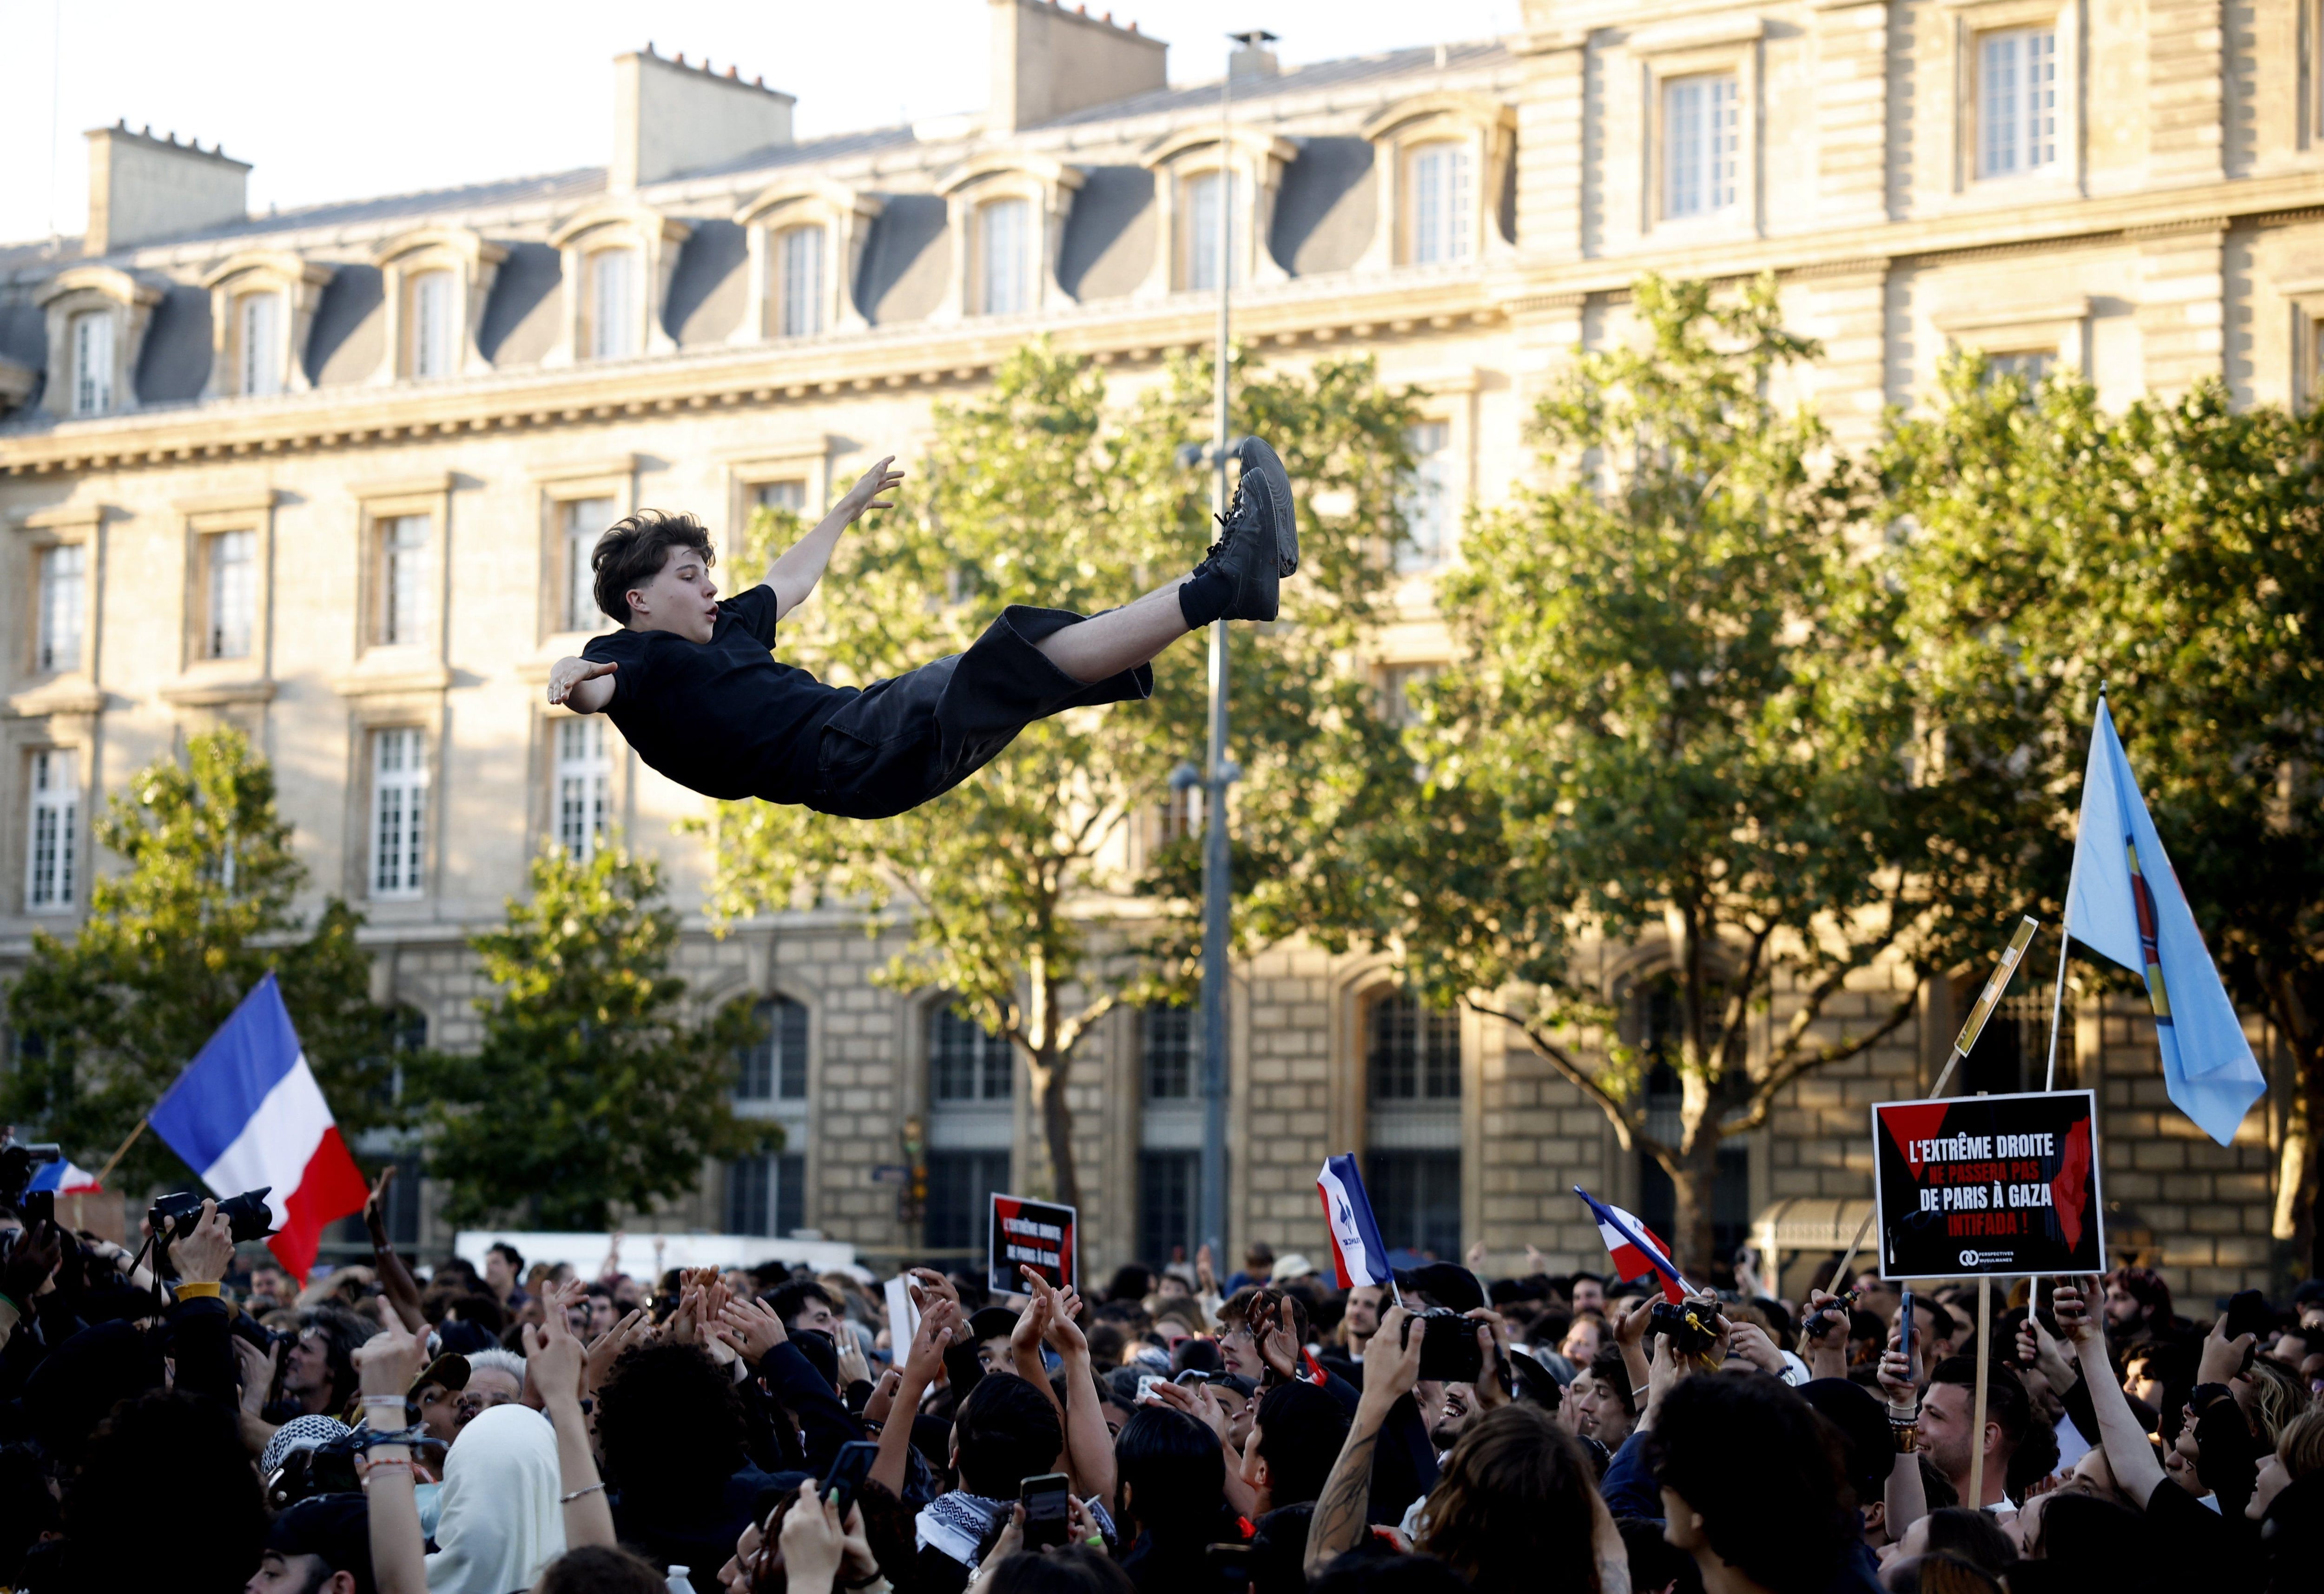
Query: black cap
point(336, 1527)
point(1448, 1283)
point(992, 1323)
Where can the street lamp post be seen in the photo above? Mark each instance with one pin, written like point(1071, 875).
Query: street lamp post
point(1219, 772)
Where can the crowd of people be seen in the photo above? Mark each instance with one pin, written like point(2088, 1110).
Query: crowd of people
point(194, 1423)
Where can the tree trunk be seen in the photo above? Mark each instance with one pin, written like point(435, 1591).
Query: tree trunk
point(1058, 1130)
point(1694, 1175)
point(2299, 1174)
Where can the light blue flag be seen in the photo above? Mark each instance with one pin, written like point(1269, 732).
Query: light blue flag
point(2124, 901)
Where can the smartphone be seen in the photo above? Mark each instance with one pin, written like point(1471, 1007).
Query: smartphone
point(849, 1469)
point(1146, 1382)
point(1048, 1509)
point(1904, 1336)
point(2247, 1313)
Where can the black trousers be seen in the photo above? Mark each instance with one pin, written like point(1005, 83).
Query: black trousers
point(900, 742)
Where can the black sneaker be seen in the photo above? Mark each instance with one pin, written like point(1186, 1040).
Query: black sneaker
point(1258, 544)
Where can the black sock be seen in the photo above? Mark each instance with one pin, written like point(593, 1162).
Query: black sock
point(1205, 596)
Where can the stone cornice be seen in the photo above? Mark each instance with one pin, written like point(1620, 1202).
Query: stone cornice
point(1318, 311)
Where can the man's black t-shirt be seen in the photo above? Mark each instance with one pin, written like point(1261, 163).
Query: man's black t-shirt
point(720, 717)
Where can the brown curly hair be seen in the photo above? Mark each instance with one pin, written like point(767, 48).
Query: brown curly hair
point(1512, 1510)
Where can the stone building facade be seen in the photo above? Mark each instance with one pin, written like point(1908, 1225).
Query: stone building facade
point(324, 474)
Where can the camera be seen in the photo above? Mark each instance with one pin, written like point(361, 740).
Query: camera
point(1687, 1326)
point(17, 1160)
point(311, 1470)
point(1449, 1351)
point(173, 1217)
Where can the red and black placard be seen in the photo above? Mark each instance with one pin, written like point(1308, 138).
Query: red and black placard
point(1030, 1233)
point(1988, 1184)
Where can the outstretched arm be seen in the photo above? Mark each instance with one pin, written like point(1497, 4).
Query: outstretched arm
point(800, 567)
point(585, 685)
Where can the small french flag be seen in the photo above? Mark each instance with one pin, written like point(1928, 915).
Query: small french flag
point(247, 1112)
point(65, 1178)
point(1636, 1248)
point(1357, 1252)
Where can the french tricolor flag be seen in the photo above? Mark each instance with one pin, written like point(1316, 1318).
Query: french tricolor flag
point(247, 1112)
point(1356, 1249)
point(65, 1178)
point(1636, 1248)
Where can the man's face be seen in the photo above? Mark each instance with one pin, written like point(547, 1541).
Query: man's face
point(1944, 1426)
point(991, 1354)
point(818, 1317)
point(2123, 1311)
point(1582, 1341)
point(1362, 1313)
point(628, 1293)
point(1451, 1416)
point(1589, 1296)
point(270, 1282)
point(2139, 1383)
point(488, 1386)
point(1242, 1413)
point(498, 1273)
point(306, 1364)
point(1240, 1352)
point(292, 1574)
point(602, 1314)
point(682, 598)
point(439, 1411)
point(1589, 1399)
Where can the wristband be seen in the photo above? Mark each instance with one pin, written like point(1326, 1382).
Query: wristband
point(1641, 1391)
point(1908, 1440)
point(577, 1494)
point(199, 1290)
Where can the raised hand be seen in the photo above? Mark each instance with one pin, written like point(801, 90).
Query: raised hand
point(204, 1256)
point(1279, 1342)
point(257, 1372)
point(635, 1328)
point(1493, 1341)
point(925, 1363)
point(751, 1328)
point(553, 1360)
point(869, 489)
point(390, 1361)
point(2223, 1358)
point(1749, 1342)
point(375, 1213)
point(814, 1543)
point(32, 1263)
point(2078, 1325)
point(1197, 1403)
point(928, 1285)
point(1392, 1357)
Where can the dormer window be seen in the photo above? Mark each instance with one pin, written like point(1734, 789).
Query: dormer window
point(799, 277)
point(1699, 144)
point(92, 363)
point(430, 354)
point(1203, 191)
point(1002, 229)
point(258, 339)
point(1443, 203)
point(612, 330)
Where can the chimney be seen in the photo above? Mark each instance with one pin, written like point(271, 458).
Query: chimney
point(1252, 59)
point(1049, 61)
point(141, 187)
point(671, 117)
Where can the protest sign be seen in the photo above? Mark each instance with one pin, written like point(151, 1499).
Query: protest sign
point(1030, 1233)
point(1985, 1185)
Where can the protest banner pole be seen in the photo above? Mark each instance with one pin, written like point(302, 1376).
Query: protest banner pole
point(2057, 1006)
point(1976, 1501)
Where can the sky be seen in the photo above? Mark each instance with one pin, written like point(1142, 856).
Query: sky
point(336, 101)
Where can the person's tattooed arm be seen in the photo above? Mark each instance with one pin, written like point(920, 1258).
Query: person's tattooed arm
point(1391, 1369)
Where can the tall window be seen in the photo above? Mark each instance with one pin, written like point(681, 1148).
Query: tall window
point(2032, 367)
point(583, 774)
point(786, 495)
point(2018, 101)
point(1415, 1051)
point(1167, 1207)
point(1203, 231)
point(398, 810)
point(799, 265)
point(585, 519)
point(1443, 203)
point(964, 1062)
point(767, 1194)
point(1169, 1037)
point(64, 600)
point(1428, 498)
point(92, 363)
point(773, 1067)
point(1701, 138)
point(230, 587)
point(1005, 256)
point(961, 1187)
point(259, 326)
point(403, 578)
point(1416, 1197)
point(431, 325)
point(51, 837)
point(613, 304)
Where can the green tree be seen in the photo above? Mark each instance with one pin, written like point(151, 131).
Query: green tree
point(1676, 711)
point(106, 1018)
point(1020, 896)
point(590, 1092)
point(2167, 552)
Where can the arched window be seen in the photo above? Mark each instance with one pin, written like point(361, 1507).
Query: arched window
point(773, 1066)
point(1443, 197)
point(1004, 235)
point(966, 1063)
point(798, 280)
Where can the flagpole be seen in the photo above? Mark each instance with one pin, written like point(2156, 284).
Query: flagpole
point(106, 1173)
point(2058, 996)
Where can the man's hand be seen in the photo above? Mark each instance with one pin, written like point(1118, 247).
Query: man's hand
point(390, 1361)
point(204, 1256)
point(1896, 1381)
point(1396, 1351)
point(31, 1262)
point(1198, 1403)
point(753, 1328)
point(2223, 1359)
point(2038, 1348)
point(257, 1372)
point(1493, 1341)
point(853, 1369)
point(568, 674)
point(869, 489)
point(1279, 1342)
point(1748, 1341)
point(553, 1361)
point(1025, 1339)
point(2078, 1325)
point(928, 1285)
point(635, 1328)
point(1826, 1323)
point(925, 1363)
